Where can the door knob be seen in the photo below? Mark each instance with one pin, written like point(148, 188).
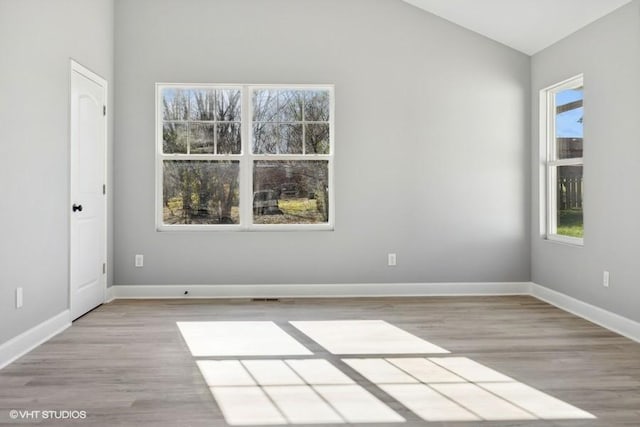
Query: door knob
point(77, 208)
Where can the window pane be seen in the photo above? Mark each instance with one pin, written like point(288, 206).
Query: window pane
point(316, 107)
point(316, 138)
point(203, 103)
point(265, 138)
point(200, 192)
point(175, 104)
point(229, 138)
point(290, 192)
point(569, 148)
point(174, 138)
point(201, 138)
point(269, 138)
point(278, 105)
point(229, 102)
point(265, 105)
point(290, 139)
point(290, 105)
point(569, 123)
point(569, 203)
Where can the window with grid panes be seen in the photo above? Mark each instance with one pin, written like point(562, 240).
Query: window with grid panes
point(564, 124)
point(244, 157)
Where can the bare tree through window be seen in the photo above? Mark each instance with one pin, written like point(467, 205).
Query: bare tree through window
point(209, 169)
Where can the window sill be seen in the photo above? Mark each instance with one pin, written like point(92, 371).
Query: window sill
point(565, 240)
point(239, 228)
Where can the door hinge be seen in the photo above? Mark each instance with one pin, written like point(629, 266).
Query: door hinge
point(104, 188)
point(104, 268)
point(104, 110)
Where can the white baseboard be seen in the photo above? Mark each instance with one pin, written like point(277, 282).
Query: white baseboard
point(614, 322)
point(27, 341)
point(599, 316)
point(109, 295)
point(318, 291)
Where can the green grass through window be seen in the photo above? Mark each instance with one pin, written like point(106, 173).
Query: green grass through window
point(570, 223)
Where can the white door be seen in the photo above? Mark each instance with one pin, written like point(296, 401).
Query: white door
point(88, 199)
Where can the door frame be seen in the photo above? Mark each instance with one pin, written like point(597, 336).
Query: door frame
point(76, 67)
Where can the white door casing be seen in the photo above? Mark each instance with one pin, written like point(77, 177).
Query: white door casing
point(88, 219)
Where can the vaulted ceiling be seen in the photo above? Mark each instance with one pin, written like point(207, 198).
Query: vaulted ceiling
point(526, 25)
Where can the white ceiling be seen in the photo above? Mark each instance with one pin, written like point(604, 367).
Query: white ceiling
point(526, 25)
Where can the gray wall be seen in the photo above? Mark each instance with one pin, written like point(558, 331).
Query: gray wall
point(37, 39)
point(608, 53)
point(432, 141)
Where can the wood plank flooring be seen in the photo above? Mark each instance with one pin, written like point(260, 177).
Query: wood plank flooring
point(126, 363)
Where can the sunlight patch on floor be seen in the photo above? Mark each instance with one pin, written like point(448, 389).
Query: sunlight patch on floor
point(280, 390)
point(365, 337)
point(459, 389)
point(310, 391)
point(427, 403)
point(538, 403)
point(210, 339)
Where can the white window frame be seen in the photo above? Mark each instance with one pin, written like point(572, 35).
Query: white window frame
point(246, 159)
point(551, 162)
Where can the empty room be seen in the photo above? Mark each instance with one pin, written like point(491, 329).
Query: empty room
point(320, 212)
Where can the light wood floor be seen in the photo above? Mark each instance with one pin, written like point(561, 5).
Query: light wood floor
point(126, 363)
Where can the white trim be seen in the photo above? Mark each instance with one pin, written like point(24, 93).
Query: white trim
point(332, 290)
point(614, 322)
point(567, 240)
point(568, 83)
point(27, 341)
point(75, 66)
point(32, 338)
point(543, 131)
point(109, 295)
point(599, 316)
point(567, 162)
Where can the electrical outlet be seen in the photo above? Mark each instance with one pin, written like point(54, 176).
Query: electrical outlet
point(19, 298)
point(392, 260)
point(605, 279)
point(139, 260)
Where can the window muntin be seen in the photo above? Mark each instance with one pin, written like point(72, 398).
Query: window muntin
point(564, 161)
point(244, 157)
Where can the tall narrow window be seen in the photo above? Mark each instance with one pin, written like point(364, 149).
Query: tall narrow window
point(244, 157)
point(564, 161)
